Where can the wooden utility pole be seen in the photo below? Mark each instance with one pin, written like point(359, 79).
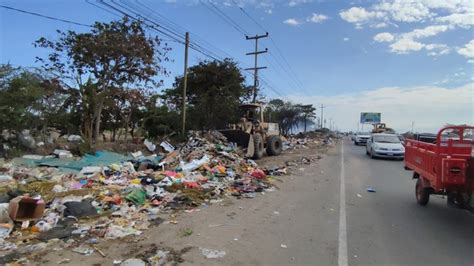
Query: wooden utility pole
point(185, 83)
point(322, 107)
point(256, 68)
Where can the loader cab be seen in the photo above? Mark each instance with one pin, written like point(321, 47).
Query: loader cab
point(252, 112)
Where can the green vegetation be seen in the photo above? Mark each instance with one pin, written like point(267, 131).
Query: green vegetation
point(107, 80)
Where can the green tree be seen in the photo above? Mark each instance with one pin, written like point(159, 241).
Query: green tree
point(158, 119)
point(308, 112)
point(112, 55)
point(214, 92)
point(30, 100)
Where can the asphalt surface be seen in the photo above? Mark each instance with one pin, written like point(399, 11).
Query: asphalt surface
point(388, 227)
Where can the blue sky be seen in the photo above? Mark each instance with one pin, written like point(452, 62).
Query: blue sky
point(350, 55)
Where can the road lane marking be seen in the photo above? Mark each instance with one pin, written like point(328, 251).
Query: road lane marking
point(342, 251)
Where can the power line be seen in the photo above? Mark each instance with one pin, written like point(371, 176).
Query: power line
point(200, 47)
point(224, 17)
point(193, 45)
point(288, 69)
point(105, 9)
point(171, 33)
point(45, 16)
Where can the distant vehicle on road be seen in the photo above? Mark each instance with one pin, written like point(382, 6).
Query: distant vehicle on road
point(385, 146)
point(444, 167)
point(360, 137)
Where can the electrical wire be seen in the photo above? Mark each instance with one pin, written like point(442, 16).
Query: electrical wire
point(224, 17)
point(288, 69)
point(45, 16)
point(175, 36)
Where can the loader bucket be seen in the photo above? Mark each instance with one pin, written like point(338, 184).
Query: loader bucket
point(243, 139)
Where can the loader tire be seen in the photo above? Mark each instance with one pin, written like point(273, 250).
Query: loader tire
point(258, 146)
point(422, 193)
point(274, 145)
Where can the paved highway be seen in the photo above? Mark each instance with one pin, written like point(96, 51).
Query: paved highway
point(389, 227)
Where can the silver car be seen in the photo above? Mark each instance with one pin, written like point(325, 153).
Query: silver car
point(385, 146)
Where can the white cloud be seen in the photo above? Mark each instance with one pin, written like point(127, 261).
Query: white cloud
point(379, 25)
point(425, 32)
point(455, 13)
point(405, 11)
point(434, 46)
point(359, 15)
point(317, 18)
point(346, 39)
point(293, 3)
point(400, 106)
point(384, 37)
point(409, 42)
point(292, 22)
point(464, 21)
point(468, 50)
point(406, 45)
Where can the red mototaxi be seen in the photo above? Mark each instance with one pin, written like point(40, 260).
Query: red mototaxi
point(445, 167)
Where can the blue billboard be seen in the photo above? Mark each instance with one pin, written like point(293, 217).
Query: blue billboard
point(370, 118)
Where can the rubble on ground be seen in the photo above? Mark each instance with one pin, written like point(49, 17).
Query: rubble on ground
point(81, 201)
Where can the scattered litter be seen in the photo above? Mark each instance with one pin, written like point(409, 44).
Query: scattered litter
point(149, 145)
point(25, 208)
point(63, 154)
point(83, 250)
point(137, 154)
point(371, 190)
point(6, 224)
point(133, 262)
point(74, 138)
point(283, 246)
point(219, 225)
point(186, 232)
point(212, 254)
point(359, 195)
point(63, 261)
point(106, 195)
point(167, 146)
point(79, 209)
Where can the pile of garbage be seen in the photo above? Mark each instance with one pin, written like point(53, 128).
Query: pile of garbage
point(109, 196)
point(302, 141)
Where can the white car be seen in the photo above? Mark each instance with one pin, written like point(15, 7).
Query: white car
point(361, 137)
point(385, 146)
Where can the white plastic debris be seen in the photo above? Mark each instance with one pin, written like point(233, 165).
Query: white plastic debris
point(212, 253)
point(6, 224)
point(74, 138)
point(32, 157)
point(137, 155)
point(84, 250)
point(90, 170)
point(5, 178)
point(149, 145)
point(62, 154)
point(133, 262)
point(283, 246)
point(194, 164)
point(167, 146)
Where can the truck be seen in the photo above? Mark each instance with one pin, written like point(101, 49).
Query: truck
point(254, 134)
point(444, 166)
